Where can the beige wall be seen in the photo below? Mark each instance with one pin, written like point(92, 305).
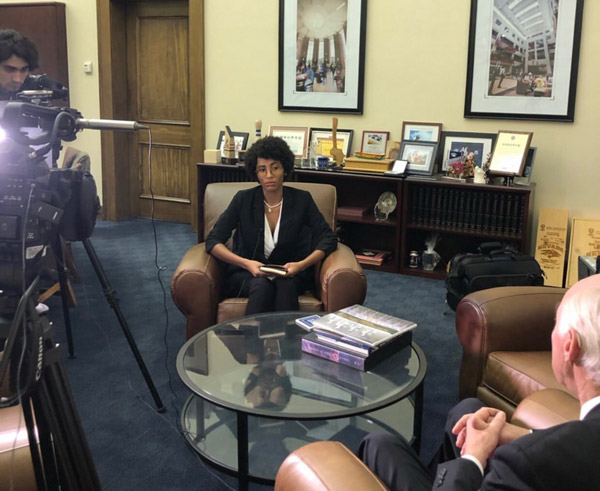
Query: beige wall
point(415, 71)
point(82, 45)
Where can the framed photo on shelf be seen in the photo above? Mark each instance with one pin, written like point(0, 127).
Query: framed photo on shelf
point(479, 144)
point(240, 138)
point(420, 156)
point(428, 132)
point(510, 152)
point(523, 59)
point(374, 141)
point(322, 55)
point(525, 178)
point(324, 136)
point(295, 136)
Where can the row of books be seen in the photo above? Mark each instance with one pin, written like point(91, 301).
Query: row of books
point(356, 336)
point(474, 210)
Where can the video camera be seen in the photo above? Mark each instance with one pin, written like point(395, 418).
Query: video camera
point(38, 201)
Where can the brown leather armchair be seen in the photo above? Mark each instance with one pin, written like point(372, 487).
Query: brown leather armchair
point(505, 336)
point(197, 281)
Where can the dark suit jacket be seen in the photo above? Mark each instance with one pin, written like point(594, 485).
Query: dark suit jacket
point(564, 457)
point(302, 229)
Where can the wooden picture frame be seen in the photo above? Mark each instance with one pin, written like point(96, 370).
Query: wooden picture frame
point(420, 156)
point(523, 70)
point(374, 141)
point(295, 136)
point(429, 132)
point(510, 153)
point(240, 138)
point(321, 67)
point(325, 135)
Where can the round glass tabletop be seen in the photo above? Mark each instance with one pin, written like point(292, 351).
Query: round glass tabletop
point(255, 365)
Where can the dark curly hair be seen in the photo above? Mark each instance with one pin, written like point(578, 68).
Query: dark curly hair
point(269, 147)
point(14, 43)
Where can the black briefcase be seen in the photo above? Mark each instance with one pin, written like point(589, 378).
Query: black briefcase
point(493, 266)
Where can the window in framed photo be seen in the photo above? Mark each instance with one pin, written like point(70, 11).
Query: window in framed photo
point(374, 141)
point(479, 144)
point(420, 156)
point(295, 136)
point(324, 137)
point(427, 132)
point(240, 138)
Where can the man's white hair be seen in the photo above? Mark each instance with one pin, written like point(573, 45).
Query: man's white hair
point(580, 311)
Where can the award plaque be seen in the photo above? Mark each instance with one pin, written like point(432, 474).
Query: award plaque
point(510, 152)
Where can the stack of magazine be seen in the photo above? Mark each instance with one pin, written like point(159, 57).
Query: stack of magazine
point(356, 336)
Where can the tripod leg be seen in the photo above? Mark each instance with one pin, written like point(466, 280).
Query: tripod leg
point(64, 292)
point(113, 301)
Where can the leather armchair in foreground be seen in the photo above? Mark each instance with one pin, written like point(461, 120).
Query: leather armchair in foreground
point(197, 281)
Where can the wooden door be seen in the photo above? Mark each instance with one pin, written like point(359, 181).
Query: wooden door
point(158, 78)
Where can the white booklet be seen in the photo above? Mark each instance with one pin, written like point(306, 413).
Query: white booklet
point(362, 324)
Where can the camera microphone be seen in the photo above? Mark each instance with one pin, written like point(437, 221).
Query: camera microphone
point(109, 124)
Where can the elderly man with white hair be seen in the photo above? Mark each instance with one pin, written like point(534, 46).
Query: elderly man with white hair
point(483, 451)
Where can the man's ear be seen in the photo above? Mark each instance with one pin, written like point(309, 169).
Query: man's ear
point(572, 346)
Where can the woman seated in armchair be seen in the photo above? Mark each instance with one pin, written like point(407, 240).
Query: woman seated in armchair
point(273, 224)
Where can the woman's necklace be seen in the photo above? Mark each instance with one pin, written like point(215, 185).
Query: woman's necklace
point(272, 207)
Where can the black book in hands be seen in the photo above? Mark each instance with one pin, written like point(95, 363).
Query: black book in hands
point(275, 269)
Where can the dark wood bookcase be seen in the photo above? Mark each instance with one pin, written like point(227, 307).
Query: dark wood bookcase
point(462, 215)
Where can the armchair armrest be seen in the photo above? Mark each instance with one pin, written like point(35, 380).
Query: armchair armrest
point(323, 466)
point(195, 288)
point(342, 281)
point(512, 318)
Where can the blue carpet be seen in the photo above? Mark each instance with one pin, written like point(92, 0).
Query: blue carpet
point(133, 446)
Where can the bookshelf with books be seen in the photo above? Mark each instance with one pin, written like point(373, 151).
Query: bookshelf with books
point(463, 215)
point(357, 194)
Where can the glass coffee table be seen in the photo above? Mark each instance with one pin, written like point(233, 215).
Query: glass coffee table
point(257, 396)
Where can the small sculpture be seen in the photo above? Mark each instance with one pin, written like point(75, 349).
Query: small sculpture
point(479, 176)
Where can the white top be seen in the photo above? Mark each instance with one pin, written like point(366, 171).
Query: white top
point(271, 239)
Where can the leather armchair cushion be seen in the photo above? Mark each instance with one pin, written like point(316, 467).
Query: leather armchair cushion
point(546, 408)
point(325, 466)
point(15, 457)
point(518, 374)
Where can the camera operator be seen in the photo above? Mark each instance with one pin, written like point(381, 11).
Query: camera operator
point(18, 57)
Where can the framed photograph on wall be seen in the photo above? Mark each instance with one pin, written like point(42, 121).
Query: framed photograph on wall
point(241, 141)
point(324, 136)
point(523, 59)
point(428, 132)
point(295, 136)
point(420, 156)
point(374, 141)
point(322, 55)
point(479, 144)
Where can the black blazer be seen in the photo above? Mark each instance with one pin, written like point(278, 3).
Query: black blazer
point(564, 457)
point(302, 229)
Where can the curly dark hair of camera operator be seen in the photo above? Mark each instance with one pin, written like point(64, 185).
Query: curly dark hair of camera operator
point(272, 148)
point(14, 43)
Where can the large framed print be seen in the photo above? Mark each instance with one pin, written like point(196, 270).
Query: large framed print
point(420, 156)
point(523, 59)
point(324, 136)
point(322, 55)
point(479, 144)
point(295, 136)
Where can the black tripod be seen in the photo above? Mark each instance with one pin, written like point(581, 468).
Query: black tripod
point(60, 454)
point(113, 301)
